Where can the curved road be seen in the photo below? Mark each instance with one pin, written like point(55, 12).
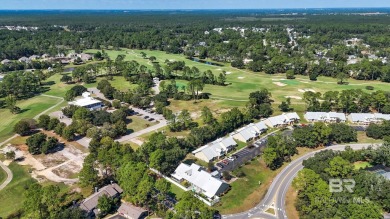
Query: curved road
point(276, 195)
point(9, 176)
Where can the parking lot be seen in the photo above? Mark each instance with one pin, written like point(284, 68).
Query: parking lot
point(240, 157)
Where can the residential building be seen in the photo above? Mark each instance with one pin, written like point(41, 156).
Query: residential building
point(261, 127)
point(246, 134)
point(33, 57)
point(200, 181)
point(330, 117)
point(282, 120)
point(215, 149)
point(84, 57)
point(24, 59)
point(130, 211)
point(5, 62)
point(88, 102)
point(367, 118)
point(90, 204)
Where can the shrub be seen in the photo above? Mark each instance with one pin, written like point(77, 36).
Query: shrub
point(369, 87)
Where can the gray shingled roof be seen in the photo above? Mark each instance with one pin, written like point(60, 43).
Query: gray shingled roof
point(90, 203)
point(131, 210)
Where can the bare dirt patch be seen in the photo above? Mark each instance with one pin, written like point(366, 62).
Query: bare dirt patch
point(51, 160)
point(68, 171)
point(290, 203)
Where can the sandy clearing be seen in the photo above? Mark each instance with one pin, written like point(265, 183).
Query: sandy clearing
point(294, 97)
point(280, 84)
point(240, 78)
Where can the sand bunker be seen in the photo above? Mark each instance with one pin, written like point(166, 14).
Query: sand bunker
point(294, 97)
point(306, 90)
point(280, 84)
point(228, 73)
point(240, 77)
point(219, 69)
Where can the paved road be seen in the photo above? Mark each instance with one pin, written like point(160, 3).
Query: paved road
point(9, 175)
point(276, 195)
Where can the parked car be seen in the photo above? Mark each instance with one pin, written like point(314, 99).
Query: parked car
point(220, 165)
point(226, 162)
point(146, 117)
point(151, 119)
point(230, 158)
point(235, 156)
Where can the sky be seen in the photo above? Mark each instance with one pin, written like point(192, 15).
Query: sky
point(187, 4)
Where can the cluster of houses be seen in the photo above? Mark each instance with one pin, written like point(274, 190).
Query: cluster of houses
point(209, 185)
point(127, 210)
point(64, 59)
point(222, 146)
point(354, 118)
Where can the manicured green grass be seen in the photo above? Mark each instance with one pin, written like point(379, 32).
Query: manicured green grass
point(361, 165)
point(138, 123)
point(59, 88)
point(242, 82)
point(30, 108)
point(176, 191)
point(3, 175)
point(243, 190)
point(11, 197)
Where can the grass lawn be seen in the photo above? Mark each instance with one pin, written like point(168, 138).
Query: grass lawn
point(256, 181)
point(30, 108)
point(361, 165)
point(11, 197)
point(291, 196)
point(362, 138)
point(59, 88)
point(242, 82)
point(176, 191)
point(138, 123)
point(3, 175)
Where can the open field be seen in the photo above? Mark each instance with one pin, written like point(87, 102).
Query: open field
point(11, 197)
point(291, 196)
point(362, 138)
point(30, 108)
point(242, 82)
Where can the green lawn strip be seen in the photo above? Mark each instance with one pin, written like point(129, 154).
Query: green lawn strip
point(176, 191)
point(30, 108)
point(11, 197)
point(138, 123)
point(3, 175)
point(255, 175)
point(361, 165)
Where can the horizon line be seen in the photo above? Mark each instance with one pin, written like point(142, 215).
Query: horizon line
point(189, 9)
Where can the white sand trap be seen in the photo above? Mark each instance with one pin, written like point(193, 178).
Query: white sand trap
point(219, 69)
point(228, 73)
point(280, 84)
point(294, 97)
point(172, 60)
point(240, 77)
point(306, 90)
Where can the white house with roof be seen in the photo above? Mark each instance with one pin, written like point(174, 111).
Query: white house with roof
point(24, 59)
point(200, 180)
point(282, 120)
point(367, 118)
point(88, 102)
point(5, 61)
point(329, 117)
point(215, 149)
point(246, 134)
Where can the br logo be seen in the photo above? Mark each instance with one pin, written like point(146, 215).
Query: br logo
point(338, 185)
